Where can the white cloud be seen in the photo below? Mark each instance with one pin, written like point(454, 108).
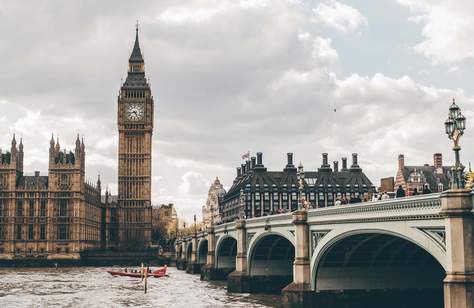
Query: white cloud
point(339, 16)
point(193, 183)
point(448, 28)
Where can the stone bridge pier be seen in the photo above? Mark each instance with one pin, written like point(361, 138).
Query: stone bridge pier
point(192, 266)
point(408, 252)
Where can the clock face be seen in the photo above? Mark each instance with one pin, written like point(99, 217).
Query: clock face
point(134, 112)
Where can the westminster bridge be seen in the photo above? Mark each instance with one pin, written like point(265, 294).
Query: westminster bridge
point(408, 252)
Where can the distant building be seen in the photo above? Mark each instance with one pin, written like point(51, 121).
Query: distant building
point(210, 211)
point(435, 177)
point(109, 220)
point(270, 192)
point(387, 184)
point(165, 219)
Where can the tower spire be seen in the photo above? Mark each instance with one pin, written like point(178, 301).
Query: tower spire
point(136, 55)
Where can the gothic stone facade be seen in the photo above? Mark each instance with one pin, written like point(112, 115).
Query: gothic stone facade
point(271, 192)
point(210, 211)
point(52, 217)
point(135, 126)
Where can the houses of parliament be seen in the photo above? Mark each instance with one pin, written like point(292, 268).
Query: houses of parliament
point(61, 215)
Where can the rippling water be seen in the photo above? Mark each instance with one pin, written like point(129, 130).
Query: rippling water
point(93, 287)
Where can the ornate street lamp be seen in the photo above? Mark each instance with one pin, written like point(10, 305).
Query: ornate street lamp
point(195, 226)
point(300, 177)
point(455, 126)
point(242, 204)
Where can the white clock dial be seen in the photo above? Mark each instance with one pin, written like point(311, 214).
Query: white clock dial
point(134, 112)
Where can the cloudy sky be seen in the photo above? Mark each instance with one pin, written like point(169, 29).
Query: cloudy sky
point(230, 76)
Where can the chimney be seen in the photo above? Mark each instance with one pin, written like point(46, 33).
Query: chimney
point(253, 162)
point(244, 170)
point(401, 162)
point(247, 166)
point(344, 163)
point(438, 160)
point(239, 172)
point(354, 160)
point(259, 159)
point(37, 173)
point(289, 157)
point(336, 166)
point(325, 159)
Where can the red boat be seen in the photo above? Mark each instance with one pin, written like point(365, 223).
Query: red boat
point(160, 272)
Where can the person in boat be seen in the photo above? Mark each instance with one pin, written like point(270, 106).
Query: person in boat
point(125, 270)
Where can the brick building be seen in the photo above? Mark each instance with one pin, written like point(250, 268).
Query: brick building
point(435, 177)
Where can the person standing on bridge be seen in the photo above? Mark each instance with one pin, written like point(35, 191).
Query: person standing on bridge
point(400, 192)
point(426, 190)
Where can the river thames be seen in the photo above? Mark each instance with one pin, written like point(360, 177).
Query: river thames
point(93, 287)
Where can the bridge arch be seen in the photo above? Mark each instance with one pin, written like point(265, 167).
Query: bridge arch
point(380, 260)
point(189, 251)
point(202, 251)
point(226, 252)
point(270, 261)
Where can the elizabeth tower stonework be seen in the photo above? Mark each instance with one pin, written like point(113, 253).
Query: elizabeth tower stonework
point(135, 125)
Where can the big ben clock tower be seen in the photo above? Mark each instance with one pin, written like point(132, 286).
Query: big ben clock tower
point(135, 125)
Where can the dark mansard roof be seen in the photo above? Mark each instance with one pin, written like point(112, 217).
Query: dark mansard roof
point(325, 179)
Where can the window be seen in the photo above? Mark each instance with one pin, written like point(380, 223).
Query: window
point(321, 201)
point(42, 232)
point(440, 187)
point(63, 207)
point(31, 208)
point(63, 232)
point(257, 196)
point(2, 208)
point(2, 232)
point(43, 208)
point(18, 232)
point(64, 180)
point(19, 208)
point(31, 233)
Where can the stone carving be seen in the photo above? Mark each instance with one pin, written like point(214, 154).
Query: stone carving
point(436, 234)
point(316, 236)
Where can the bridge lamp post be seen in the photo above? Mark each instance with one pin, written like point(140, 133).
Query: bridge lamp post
point(195, 226)
point(455, 126)
point(300, 177)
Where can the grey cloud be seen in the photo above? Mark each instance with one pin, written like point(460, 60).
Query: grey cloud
point(243, 78)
